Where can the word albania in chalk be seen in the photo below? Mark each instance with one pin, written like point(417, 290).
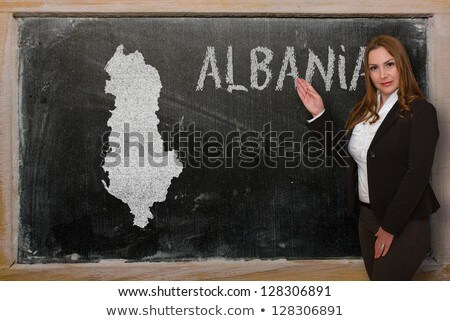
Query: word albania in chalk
point(139, 184)
point(261, 71)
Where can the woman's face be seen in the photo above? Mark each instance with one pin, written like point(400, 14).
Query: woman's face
point(383, 72)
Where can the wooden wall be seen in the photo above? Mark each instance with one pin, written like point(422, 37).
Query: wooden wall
point(439, 75)
point(8, 105)
point(439, 84)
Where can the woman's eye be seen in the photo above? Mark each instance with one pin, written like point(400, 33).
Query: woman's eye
point(390, 64)
point(372, 68)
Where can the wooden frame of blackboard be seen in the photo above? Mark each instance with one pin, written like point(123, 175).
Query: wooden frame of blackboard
point(438, 43)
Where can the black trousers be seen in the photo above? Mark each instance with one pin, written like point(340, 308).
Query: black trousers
point(405, 255)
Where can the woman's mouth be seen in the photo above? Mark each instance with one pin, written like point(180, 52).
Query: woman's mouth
point(385, 84)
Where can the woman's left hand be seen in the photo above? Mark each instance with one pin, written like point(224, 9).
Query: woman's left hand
point(383, 242)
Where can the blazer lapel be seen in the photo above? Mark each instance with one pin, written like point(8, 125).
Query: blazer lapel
point(390, 119)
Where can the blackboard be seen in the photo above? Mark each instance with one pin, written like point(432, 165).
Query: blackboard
point(243, 206)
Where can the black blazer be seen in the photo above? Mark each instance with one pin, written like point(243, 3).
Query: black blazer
point(399, 162)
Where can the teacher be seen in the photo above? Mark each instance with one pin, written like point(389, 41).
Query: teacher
point(392, 133)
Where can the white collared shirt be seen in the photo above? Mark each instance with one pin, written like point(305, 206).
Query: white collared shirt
point(360, 141)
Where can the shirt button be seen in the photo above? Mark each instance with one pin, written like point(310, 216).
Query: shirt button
point(372, 154)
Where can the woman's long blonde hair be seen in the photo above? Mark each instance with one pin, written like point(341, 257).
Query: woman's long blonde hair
point(365, 108)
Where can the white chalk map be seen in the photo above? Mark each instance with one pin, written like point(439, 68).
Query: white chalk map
point(137, 182)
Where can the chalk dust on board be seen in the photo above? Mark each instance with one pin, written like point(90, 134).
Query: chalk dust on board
point(140, 171)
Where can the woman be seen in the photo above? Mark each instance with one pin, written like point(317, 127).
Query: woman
point(392, 133)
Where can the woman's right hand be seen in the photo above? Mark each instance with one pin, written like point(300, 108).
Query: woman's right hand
point(309, 96)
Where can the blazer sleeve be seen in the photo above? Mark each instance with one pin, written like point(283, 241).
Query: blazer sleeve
point(319, 123)
point(422, 142)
